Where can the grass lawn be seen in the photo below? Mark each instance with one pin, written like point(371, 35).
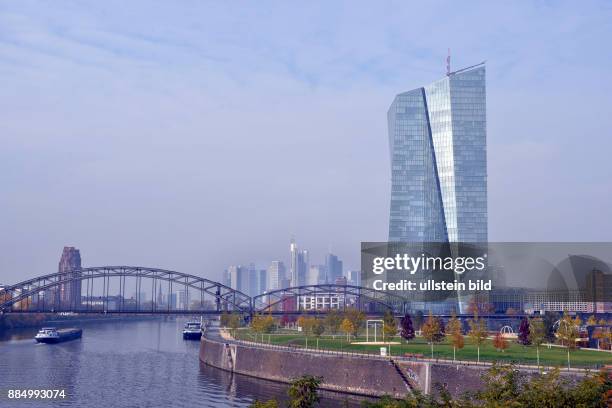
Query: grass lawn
point(554, 356)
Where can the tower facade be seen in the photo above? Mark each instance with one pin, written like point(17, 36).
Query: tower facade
point(298, 266)
point(70, 263)
point(333, 266)
point(437, 140)
point(276, 275)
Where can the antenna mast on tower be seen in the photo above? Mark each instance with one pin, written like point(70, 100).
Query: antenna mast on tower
point(448, 63)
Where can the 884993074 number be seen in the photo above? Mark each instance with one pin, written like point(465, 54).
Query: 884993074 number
point(36, 394)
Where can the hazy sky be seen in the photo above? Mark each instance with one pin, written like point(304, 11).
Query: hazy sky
point(191, 136)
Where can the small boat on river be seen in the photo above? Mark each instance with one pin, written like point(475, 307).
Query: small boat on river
point(53, 335)
point(192, 331)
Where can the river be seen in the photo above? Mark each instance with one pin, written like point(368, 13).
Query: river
point(129, 364)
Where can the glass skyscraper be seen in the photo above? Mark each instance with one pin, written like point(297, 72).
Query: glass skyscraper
point(437, 139)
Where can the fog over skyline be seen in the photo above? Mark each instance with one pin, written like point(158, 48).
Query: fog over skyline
point(191, 136)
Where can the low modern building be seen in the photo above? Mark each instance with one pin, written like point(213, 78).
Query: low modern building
point(557, 301)
point(321, 301)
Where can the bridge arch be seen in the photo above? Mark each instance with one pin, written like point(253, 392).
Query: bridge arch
point(12, 298)
point(325, 297)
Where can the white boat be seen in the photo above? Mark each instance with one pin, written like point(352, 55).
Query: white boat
point(53, 335)
point(192, 331)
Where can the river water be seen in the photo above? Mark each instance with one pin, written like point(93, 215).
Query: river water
point(129, 364)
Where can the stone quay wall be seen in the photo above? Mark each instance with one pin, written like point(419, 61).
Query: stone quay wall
point(342, 372)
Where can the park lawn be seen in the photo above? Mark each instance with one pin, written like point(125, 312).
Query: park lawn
point(554, 356)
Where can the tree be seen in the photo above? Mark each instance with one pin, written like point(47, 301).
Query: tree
point(593, 391)
point(523, 334)
point(347, 327)
point(567, 334)
point(286, 320)
point(306, 323)
point(604, 338)
point(224, 319)
point(453, 330)
point(234, 322)
point(418, 319)
point(356, 317)
point(333, 320)
point(500, 342)
point(454, 324)
point(473, 306)
point(262, 324)
point(304, 392)
point(537, 335)
point(478, 332)
point(389, 326)
point(269, 324)
point(431, 330)
point(549, 322)
point(591, 321)
point(407, 331)
point(501, 386)
point(441, 331)
point(318, 328)
point(458, 342)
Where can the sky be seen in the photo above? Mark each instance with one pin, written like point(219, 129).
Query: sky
point(195, 135)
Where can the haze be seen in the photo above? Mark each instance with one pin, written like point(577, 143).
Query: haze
point(191, 136)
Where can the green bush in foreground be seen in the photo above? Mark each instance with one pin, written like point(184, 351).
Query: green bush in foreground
point(303, 392)
point(503, 387)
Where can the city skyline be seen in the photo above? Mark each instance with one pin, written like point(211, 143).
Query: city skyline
point(137, 157)
point(255, 279)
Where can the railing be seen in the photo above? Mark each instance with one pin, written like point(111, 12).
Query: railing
point(375, 355)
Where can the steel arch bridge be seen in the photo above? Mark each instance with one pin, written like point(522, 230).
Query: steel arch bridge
point(322, 298)
point(103, 289)
point(58, 292)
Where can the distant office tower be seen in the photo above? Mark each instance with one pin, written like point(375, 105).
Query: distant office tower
point(172, 297)
point(263, 282)
point(293, 262)
point(70, 263)
point(334, 268)
point(253, 288)
point(354, 277)
point(437, 138)
point(160, 296)
point(226, 279)
point(183, 299)
point(316, 275)
point(303, 263)
point(276, 275)
point(285, 283)
point(299, 264)
point(239, 278)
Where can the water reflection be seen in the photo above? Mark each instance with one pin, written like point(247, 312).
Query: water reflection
point(130, 364)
